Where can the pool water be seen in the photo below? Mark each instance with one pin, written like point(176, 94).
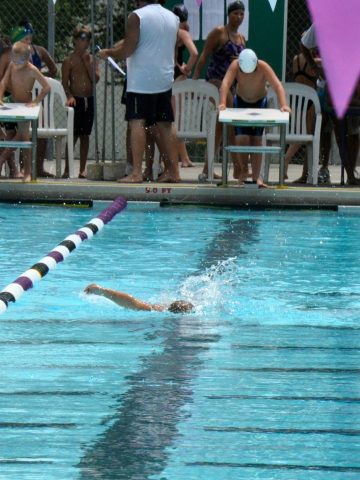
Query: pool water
point(261, 381)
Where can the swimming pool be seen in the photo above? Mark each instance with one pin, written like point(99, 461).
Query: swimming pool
point(262, 381)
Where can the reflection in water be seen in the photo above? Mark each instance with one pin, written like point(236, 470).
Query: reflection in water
point(135, 446)
point(230, 242)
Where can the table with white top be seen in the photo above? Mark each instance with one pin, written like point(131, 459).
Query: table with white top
point(19, 112)
point(254, 117)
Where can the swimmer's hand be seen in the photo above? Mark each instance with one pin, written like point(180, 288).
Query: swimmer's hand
point(31, 104)
point(93, 289)
point(285, 108)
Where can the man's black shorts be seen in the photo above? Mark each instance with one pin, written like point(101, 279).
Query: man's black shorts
point(151, 107)
point(83, 115)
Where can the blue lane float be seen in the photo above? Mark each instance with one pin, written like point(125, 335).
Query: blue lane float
point(14, 290)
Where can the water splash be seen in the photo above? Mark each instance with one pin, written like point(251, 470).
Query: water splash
point(213, 288)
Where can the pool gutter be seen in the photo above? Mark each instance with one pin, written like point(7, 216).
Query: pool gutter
point(249, 196)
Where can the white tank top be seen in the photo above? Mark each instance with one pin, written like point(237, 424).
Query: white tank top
point(150, 69)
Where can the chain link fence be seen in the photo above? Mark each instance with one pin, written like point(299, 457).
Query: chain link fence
point(53, 23)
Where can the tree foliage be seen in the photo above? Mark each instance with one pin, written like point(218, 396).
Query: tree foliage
point(68, 14)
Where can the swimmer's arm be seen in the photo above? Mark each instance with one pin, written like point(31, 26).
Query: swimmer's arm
point(65, 80)
point(125, 48)
point(44, 90)
point(211, 45)
point(49, 62)
point(122, 299)
point(228, 80)
point(186, 39)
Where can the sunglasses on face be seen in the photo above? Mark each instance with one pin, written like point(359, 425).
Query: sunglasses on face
point(84, 36)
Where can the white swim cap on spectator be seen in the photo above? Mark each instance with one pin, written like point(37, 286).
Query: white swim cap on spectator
point(248, 60)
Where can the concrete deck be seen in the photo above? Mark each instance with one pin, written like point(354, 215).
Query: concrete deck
point(189, 191)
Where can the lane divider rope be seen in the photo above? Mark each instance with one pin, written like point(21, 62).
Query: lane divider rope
point(15, 290)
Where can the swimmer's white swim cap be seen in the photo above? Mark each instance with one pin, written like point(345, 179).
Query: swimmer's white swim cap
point(248, 60)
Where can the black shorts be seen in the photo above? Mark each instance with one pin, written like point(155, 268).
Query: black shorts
point(83, 115)
point(251, 131)
point(123, 95)
point(151, 107)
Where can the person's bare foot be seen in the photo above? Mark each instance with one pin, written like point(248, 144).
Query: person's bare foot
point(166, 177)
point(187, 163)
point(261, 184)
point(353, 181)
point(16, 174)
point(131, 179)
point(302, 179)
point(26, 178)
point(216, 176)
point(147, 175)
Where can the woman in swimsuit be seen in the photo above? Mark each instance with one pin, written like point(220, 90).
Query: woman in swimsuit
point(222, 46)
point(302, 73)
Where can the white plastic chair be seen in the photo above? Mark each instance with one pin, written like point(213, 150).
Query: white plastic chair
point(298, 97)
point(52, 123)
point(196, 103)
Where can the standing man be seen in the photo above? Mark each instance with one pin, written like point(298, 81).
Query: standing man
point(149, 47)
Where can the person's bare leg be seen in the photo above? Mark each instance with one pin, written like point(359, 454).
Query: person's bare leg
point(66, 170)
point(10, 159)
point(23, 135)
point(290, 152)
point(41, 154)
point(149, 154)
point(353, 148)
point(325, 141)
point(7, 155)
point(218, 130)
point(138, 142)
point(27, 165)
point(183, 154)
point(256, 160)
point(84, 151)
point(168, 142)
point(242, 158)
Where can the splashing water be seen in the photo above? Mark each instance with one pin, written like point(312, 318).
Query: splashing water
point(212, 288)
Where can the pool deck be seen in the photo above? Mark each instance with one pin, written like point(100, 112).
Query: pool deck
point(189, 191)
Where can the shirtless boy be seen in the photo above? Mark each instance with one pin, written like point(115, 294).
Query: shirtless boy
point(19, 79)
point(127, 301)
point(77, 80)
point(252, 76)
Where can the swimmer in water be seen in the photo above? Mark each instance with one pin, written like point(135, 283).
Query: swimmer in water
point(127, 301)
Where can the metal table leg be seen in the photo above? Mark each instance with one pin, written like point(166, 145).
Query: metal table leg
point(34, 125)
point(225, 157)
point(282, 155)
